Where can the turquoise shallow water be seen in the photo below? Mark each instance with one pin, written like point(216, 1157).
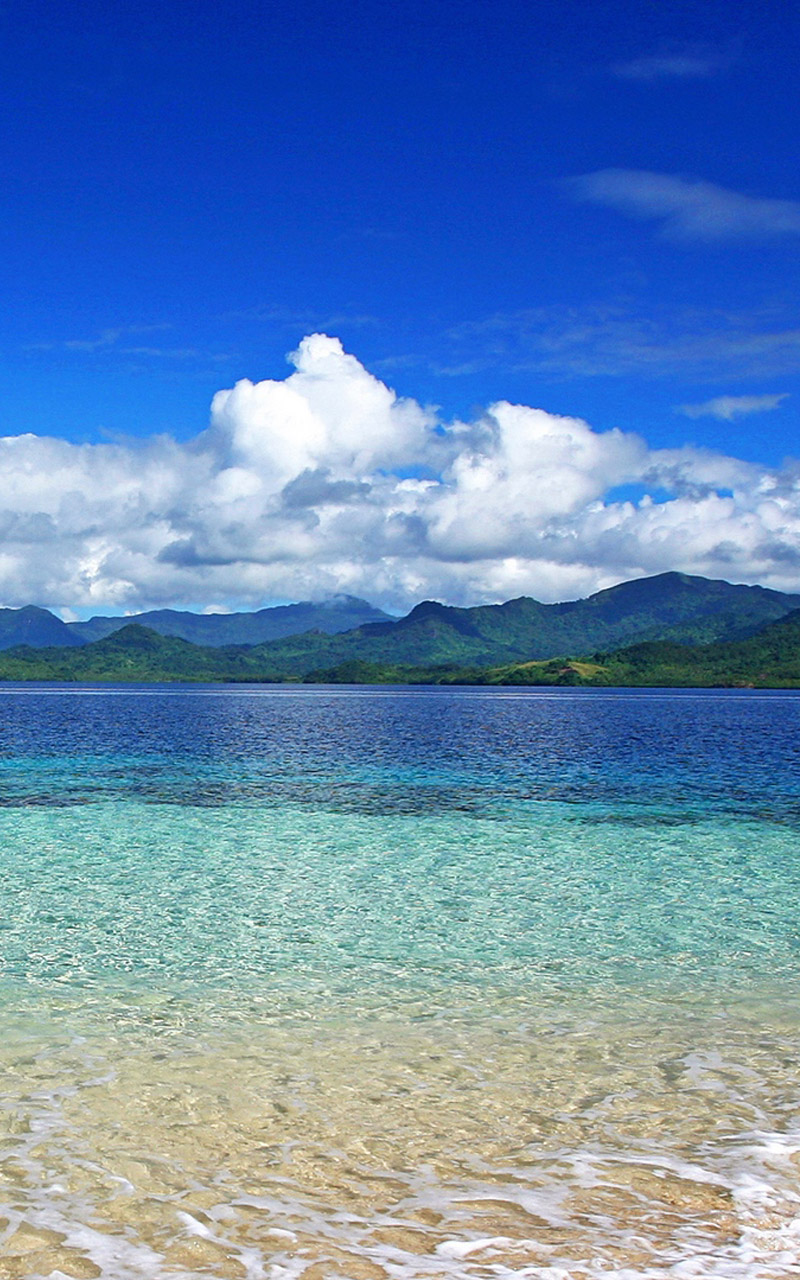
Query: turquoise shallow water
point(375, 983)
point(263, 907)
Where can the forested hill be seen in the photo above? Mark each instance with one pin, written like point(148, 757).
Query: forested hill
point(36, 627)
point(671, 606)
point(770, 657)
point(41, 629)
point(340, 613)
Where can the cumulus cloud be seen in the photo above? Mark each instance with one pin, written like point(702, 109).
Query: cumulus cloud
point(726, 408)
point(327, 481)
point(329, 413)
point(687, 208)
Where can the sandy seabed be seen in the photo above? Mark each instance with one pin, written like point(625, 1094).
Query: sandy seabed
point(569, 1143)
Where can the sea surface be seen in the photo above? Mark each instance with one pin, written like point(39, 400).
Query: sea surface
point(399, 984)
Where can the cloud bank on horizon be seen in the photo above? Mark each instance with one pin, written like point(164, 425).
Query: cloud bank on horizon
point(328, 482)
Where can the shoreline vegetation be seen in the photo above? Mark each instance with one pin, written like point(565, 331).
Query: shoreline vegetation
point(670, 631)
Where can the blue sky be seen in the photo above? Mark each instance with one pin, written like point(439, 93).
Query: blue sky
point(590, 210)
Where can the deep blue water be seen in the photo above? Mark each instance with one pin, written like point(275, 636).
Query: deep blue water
point(675, 754)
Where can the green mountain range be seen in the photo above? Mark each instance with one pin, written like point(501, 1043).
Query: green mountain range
point(671, 606)
point(340, 613)
point(41, 629)
point(670, 629)
point(768, 659)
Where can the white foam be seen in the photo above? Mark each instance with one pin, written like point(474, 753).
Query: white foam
point(463, 1248)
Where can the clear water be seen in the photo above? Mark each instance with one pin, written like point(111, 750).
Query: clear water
point(377, 983)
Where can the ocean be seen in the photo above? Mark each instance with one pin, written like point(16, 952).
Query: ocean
point(399, 984)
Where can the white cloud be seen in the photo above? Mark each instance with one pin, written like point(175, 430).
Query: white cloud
point(727, 408)
point(688, 208)
point(330, 413)
point(693, 62)
point(327, 482)
point(619, 339)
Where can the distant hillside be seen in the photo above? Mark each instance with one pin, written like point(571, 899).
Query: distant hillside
point(35, 627)
point(341, 613)
point(678, 606)
point(669, 610)
point(768, 659)
point(133, 653)
point(771, 658)
point(671, 606)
